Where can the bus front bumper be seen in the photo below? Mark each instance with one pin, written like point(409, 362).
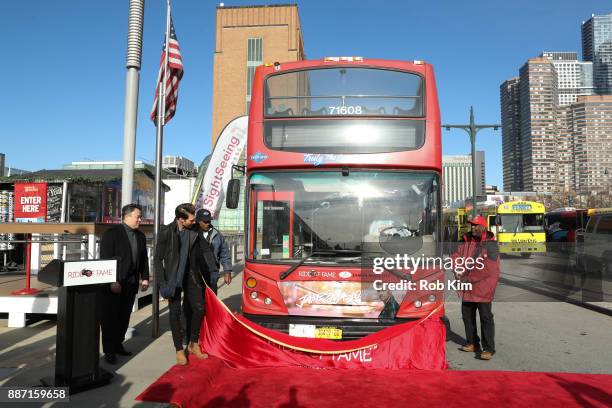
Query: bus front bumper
point(522, 247)
point(351, 329)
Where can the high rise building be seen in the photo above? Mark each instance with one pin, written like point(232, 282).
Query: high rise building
point(574, 78)
point(592, 142)
point(564, 134)
point(564, 144)
point(597, 48)
point(245, 38)
point(457, 177)
point(537, 100)
point(511, 135)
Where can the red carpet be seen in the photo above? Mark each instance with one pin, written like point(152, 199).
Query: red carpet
point(210, 383)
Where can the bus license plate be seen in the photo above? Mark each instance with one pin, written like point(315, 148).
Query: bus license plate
point(328, 333)
point(302, 330)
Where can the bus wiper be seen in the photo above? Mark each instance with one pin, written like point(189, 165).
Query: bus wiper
point(289, 271)
point(400, 275)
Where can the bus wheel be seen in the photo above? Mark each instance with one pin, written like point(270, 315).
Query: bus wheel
point(526, 254)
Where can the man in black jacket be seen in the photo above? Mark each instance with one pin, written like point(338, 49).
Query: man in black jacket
point(180, 267)
point(126, 243)
point(214, 246)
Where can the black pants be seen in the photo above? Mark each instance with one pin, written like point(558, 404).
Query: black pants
point(116, 316)
point(487, 325)
point(214, 277)
point(193, 309)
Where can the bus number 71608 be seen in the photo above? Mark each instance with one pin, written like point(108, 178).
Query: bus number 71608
point(345, 110)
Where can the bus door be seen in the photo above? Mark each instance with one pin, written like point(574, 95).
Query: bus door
point(273, 224)
point(462, 225)
point(492, 222)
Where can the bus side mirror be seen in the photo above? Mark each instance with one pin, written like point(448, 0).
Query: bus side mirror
point(233, 193)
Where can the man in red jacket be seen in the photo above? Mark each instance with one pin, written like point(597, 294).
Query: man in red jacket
point(479, 245)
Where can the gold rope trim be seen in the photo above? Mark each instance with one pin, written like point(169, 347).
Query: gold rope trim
point(280, 343)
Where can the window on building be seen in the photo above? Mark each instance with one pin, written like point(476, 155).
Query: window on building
point(254, 59)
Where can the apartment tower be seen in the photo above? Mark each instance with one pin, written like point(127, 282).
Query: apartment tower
point(597, 48)
point(511, 135)
point(537, 100)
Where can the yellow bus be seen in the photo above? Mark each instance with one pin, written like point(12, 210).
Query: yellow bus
point(455, 223)
point(520, 228)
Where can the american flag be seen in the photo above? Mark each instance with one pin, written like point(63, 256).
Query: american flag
point(174, 73)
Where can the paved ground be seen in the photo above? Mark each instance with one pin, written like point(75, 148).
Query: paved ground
point(534, 332)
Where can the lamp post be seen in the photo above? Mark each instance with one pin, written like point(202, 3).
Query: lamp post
point(472, 129)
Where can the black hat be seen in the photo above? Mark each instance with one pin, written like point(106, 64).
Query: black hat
point(203, 215)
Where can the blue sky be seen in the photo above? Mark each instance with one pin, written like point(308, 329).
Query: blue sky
point(64, 66)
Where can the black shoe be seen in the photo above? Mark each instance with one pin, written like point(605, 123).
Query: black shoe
point(110, 358)
point(122, 352)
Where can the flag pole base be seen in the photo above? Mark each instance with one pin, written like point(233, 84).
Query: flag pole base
point(25, 291)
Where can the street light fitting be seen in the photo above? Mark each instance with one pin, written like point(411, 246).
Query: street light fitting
point(472, 128)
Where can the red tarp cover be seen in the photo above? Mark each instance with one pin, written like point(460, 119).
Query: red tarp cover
point(244, 344)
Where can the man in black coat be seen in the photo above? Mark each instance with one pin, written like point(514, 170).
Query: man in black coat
point(126, 243)
point(180, 267)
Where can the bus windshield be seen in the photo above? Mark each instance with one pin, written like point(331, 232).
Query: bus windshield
point(342, 91)
point(333, 218)
point(521, 223)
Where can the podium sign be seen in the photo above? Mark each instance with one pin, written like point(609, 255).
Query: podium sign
point(89, 272)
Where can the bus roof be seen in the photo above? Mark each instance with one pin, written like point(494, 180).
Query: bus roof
point(416, 65)
point(594, 211)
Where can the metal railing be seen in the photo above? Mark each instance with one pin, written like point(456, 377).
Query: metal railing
point(73, 247)
point(235, 242)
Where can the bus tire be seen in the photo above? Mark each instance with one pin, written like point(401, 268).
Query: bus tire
point(526, 254)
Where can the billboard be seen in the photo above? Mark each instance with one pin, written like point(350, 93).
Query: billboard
point(30, 202)
point(55, 194)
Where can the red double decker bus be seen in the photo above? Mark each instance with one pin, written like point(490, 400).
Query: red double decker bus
point(343, 168)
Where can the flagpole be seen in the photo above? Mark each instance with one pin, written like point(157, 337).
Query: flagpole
point(161, 114)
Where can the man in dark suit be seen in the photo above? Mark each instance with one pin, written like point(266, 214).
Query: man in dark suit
point(126, 243)
point(180, 267)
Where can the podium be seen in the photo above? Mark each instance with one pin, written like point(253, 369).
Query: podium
point(79, 311)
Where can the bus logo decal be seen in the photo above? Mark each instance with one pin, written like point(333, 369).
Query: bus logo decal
point(319, 159)
point(258, 157)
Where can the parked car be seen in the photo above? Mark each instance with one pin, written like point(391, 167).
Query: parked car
point(594, 245)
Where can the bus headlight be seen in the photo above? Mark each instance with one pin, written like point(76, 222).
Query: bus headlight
point(432, 298)
point(268, 301)
point(417, 303)
point(253, 295)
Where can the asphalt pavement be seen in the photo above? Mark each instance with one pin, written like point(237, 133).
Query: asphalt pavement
point(534, 332)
